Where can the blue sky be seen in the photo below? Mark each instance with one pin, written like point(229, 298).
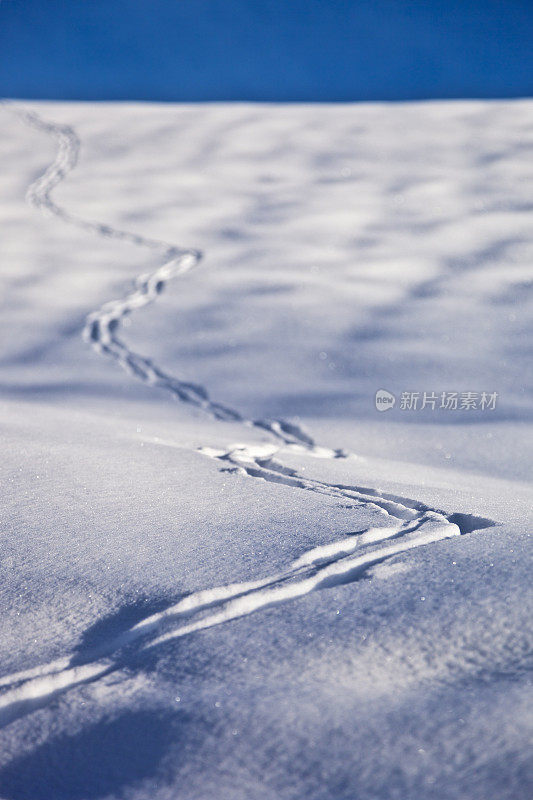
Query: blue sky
point(297, 50)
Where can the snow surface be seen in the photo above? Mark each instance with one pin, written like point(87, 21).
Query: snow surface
point(224, 572)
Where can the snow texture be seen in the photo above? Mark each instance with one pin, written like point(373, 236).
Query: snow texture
point(267, 589)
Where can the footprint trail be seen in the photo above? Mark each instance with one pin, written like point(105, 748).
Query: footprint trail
point(343, 561)
point(407, 523)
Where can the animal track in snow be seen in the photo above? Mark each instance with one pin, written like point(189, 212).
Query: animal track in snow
point(257, 461)
point(336, 563)
point(411, 523)
point(103, 324)
point(101, 331)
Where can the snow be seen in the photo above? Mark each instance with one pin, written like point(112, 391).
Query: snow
point(224, 572)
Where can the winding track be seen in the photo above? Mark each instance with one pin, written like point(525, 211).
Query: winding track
point(407, 523)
